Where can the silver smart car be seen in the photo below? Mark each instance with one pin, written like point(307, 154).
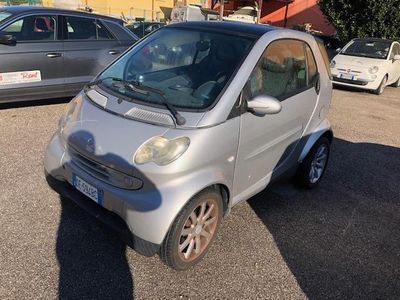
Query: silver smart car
point(192, 120)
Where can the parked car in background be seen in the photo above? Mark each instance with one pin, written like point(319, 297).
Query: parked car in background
point(193, 12)
point(247, 14)
point(142, 29)
point(370, 64)
point(48, 53)
point(225, 109)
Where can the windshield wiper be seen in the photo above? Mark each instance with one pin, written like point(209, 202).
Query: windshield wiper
point(138, 87)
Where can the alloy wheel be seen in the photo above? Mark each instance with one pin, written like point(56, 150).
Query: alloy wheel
point(198, 230)
point(318, 163)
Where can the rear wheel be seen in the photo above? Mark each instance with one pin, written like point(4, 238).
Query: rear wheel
point(312, 169)
point(381, 87)
point(193, 231)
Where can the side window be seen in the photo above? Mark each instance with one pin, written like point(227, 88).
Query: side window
point(311, 66)
point(33, 28)
point(281, 71)
point(81, 28)
point(102, 32)
point(395, 51)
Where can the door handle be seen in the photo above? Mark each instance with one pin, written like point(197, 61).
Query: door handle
point(53, 55)
point(113, 52)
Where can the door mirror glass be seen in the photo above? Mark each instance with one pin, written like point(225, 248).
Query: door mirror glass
point(7, 39)
point(264, 105)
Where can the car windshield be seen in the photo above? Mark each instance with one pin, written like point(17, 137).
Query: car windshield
point(189, 68)
point(368, 48)
point(4, 15)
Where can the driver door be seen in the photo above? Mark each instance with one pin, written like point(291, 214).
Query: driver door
point(33, 65)
point(287, 71)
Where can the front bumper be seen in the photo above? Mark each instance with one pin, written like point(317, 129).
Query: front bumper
point(113, 221)
point(360, 80)
point(139, 209)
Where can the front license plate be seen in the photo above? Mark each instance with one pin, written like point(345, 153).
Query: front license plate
point(87, 189)
point(347, 76)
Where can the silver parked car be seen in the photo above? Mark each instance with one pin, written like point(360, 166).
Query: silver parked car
point(47, 53)
point(194, 119)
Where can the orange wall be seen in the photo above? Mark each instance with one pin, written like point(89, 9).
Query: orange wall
point(300, 12)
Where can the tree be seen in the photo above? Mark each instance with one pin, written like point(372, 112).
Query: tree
point(363, 18)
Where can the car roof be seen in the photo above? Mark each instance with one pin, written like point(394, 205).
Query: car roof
point(22, 9)
point(236, 28)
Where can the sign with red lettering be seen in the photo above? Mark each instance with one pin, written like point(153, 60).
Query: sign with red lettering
point(20, 77)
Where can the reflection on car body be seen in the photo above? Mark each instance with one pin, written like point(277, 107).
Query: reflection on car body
point(47, 52)
point(253, 100)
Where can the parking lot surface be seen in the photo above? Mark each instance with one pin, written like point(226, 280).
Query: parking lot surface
point(339, 241)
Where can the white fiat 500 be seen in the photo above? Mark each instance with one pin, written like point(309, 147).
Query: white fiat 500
point(370, 64)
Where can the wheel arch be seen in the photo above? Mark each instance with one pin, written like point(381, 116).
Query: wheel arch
point(324, 129)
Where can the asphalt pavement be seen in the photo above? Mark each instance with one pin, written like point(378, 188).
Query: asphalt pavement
point(339, 241)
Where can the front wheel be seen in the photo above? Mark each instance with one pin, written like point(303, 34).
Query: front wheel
point(381, 87)
point(193, 231)
point(312, 169)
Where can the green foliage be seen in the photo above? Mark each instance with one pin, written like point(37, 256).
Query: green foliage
point(363, 18)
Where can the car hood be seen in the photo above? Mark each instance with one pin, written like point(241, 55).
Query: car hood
point(355, 61)
point(105, 137)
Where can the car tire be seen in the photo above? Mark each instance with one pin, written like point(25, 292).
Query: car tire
point(381, 87)
point(312, 169)
point(193, 230)
point(397, 83)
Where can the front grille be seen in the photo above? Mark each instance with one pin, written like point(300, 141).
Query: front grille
point(349, 81)
point(104, 173)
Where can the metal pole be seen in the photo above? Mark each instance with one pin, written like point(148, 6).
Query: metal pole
point(221, 8)
point(286, 13)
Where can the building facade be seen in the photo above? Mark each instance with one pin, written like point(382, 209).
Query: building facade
point(283, 13)
point(148, 9)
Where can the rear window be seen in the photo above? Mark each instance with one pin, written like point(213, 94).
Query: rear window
point(325, 56)
point(86, 29)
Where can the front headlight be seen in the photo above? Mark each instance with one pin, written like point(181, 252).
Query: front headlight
point(160, 150)
point(373, 70)
point(69, 110)
point(333, 64)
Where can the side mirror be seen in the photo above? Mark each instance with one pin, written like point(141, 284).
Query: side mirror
point(264, 105)
point(396, 57)
point(7, 39)
point(338, 50)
